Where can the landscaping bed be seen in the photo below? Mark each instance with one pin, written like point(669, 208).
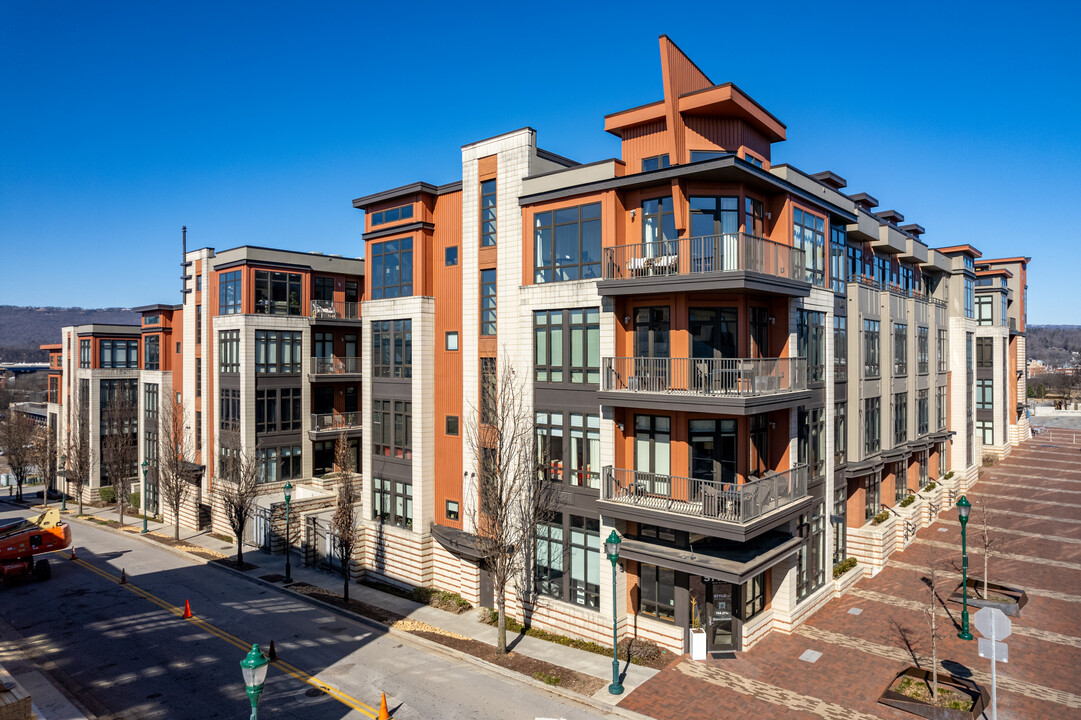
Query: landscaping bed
point(958, 699)
point(1009, 600)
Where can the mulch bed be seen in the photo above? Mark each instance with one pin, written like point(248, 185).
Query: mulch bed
point(231, 563)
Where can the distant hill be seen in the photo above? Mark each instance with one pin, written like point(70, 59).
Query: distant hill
point(23, 329)
point(1055, 345)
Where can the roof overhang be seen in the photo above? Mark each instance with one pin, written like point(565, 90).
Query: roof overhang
point(735, 566)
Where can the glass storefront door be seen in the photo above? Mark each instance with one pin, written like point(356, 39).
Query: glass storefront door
point(720, 623)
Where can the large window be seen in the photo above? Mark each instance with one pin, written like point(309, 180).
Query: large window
point(872, 499)
point(970, 290)
point(837, 519)
point(940, 406)
point(84, 353)
point(549, 571)
point(985, 394)
point(922, 413)
point(487, 302)
point(151, 352)
point(229, 413)
point(580, 456)
point(277, 410)
point(277, 351)
point(900, 419)
point(870, 348)
point(811, 560)
point(943, 352)
point(118, 353)
point(277, 293)
point(985, 348)
point(985, 431)
point(872, 425)
point(658, 227)
point(657, 592)
point(229, 351)
point(812, 440)
point(229, 295)
point(984, 310)
point(809, 234)
point(489, 391)
point(392, 429)
point(811, 343)
point(585, 544)
point(278, 464)
point(150, 401)
point(569, 543)
point(838, 238)
point(392, 502)
point(840, 433)
point(392, 268)
point(576, 361)
point(840, 348)
point(567, 244)
point(900, 349)
point(487, 213)
point(392, 348)
point(922, 350)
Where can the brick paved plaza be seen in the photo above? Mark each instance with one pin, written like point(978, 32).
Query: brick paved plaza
point(1035, 496)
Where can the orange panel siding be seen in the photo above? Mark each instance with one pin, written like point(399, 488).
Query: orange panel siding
point(447, 288)
point(642, 142)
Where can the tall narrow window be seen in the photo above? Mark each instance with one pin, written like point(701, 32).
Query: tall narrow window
point(229, 293)
point(838, 278)
point(809, 235)
point(943, 356)
point(198, 324)
point(487, 302)
point(392, 268)
point(922, 342)
point(840, 348)
point(811, 343)
point(840, 433)
point(489, 391)
point(872, 425)
point(900, 418)
point(151, 352)
point(870, 348)
point(900, 349)
point(487, 213)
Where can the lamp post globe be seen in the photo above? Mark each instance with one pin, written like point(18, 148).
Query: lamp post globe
point(254, 667)
point(611, 547)
point(288, 490)
point(963, 509)
point(142, 499)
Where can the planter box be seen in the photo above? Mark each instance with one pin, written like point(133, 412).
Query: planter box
point(911, 705)
point(697, 643)
point(1011, 607)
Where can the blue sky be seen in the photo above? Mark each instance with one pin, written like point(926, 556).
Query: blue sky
point(257, 123)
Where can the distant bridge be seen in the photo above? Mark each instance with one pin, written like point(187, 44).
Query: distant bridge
point(20, 368)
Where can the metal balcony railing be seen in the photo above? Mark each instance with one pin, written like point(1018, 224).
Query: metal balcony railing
point(705, 254)
point(335, 366)
point(333, 422)
point(335, 310)
point(727, 502)
point(746, 377)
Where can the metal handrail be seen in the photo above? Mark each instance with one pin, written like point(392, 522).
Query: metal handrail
point(335, 310)
point(335, 365)
point(335, 421)
point(743, 377)
point(703, 254)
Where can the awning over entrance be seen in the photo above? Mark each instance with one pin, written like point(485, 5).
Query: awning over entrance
point(459, 542)
point(737, 565)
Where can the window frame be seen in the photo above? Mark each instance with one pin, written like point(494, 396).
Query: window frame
point(585, 263)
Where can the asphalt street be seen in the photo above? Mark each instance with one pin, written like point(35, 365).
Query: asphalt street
point(124, 652)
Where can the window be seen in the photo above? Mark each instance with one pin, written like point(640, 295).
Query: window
point(451, 425)
point(199, 283)
point(922, 351)
point(452, 510)
point(229, 351)
point(700, 155)
point(291, 464)
point(84, 353)
point(984, 312)
point(985, 395)
point(393, 502)
point(840, 510)
point(118, 390)
point(811, 560)
point(970, 291)
point(940, 406)
point(985, 430)
point(322, 457)
point(392, 348)
point(922, 413)
point(754, 596)
point(809, 234)
point(277, 410)
point(487, 302)
point(118, 353)
point(152, 320)
point(450, 256)
point(581, 455)
point(229, 413)
point(278, 464)
point(840, 433)
point(151, 352)
point(392, 429)
point(585, 543)
point(487, 213)
point(658, 227)
point(872, 501)
point(840, 348)
point(150, 401)
point(548, 429)
point(969, 385)
point(394, 214)
point(838, 240)
point(812, 440)
point(277, 351)
point(198, 377)
point(577, 361)
point(870, 348)
point(198, 430)
point(657, 592)
point(900, 349)
point(277, 293)
point(198, 324)
point(657, 162)
point(567, 244)
point(150, 449)
point(985, 348)
point(450, 340)
point(229, 293)
point(392, 268)
point(548, 345)
point(811, 344)
point(872, 425)
point(549, 564)
point(585, 361)
point(1002, 317)
point(943, 357)
point(489, 390)
point(900, 419)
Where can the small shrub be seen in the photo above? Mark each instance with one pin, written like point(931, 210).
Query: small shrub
point(422, 595)
point(547, 679)
point(908, 501)
point(107, 495)
point(881, 517)
point(931, 486)
point(988, 462)
point(135, 501)
point(948, 475)
point(844, 566)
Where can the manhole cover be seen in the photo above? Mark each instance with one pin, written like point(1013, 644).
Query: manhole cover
point(314, 692)
point(272, 578)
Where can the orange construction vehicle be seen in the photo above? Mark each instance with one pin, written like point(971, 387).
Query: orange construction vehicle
point(21, 540)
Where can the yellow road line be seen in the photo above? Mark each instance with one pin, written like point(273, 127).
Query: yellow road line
point(217, 632)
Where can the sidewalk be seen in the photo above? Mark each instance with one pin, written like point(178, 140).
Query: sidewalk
point(465, 624)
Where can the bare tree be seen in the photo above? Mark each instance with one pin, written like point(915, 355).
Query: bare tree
point(990, 541)
point(175, 468)
point(78, 449)
point(44, 456)
point(238, 486)
point(513, 494)
point(346, 521)
point(932, 579)
point(17, 433)
point(119, 441)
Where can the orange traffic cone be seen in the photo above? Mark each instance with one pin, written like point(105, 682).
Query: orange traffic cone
point(273, 654)
point(187, 610)
point(123, 577)
point(73, 553)
point(383, 714)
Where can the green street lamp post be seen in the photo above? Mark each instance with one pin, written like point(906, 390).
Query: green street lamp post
point(288, 496)
point(254, 667)
point(611, 546)
point(64, 491)
point(963, 508)
point(145, 466)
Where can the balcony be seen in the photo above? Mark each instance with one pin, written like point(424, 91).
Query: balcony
point(731, 386)
point(718, 509)
point(734, 261)
point(331, 424)
point(334, 368)
point(323, 310)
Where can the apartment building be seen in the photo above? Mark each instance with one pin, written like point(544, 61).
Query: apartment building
point(734, 364)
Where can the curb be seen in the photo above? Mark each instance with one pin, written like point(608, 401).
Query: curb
point(423, 643)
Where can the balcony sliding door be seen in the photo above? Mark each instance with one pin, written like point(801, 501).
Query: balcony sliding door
point(652, 454)
point(714, 233)
point(652, 349)
point(713, 340)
